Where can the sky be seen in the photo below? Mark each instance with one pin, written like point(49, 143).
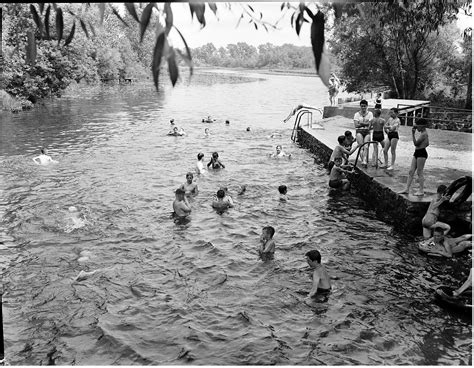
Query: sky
point(222, 30)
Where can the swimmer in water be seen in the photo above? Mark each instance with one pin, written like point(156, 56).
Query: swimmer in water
point(215, 163)
point(219, 203)
point(190, 188)
point(181, 205)
point(266, 250)
point(279, 153)
point(200, 163)
point(75, 221)
point(321, 281)
point(282, 189)
point(207, 133)
point(44, 158)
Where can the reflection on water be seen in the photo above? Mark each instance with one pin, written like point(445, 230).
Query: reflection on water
point(132, 287)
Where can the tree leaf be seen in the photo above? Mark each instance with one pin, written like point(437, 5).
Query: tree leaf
point(101, 12)
point(188, 53)
point(84, 28)
point(199, 9)
point(169, 17)
point(157, 55)
point(46, 21)
point(131, 9)
point(213, 7)
point(173, 67)
point(59, 24)
point(145, 19)
point(116, 13)
point(31, 48)
point(71, 35)
point(36, 18)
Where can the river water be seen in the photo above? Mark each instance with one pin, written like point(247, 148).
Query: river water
point(161, 293)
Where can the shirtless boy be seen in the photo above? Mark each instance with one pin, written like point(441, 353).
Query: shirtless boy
point(267, 244)
point(221, 202)
point(44, 159)
point(215, 163)
point(444, 246)
point(189, 187)
point(340, 151)
point(430, 220)
point(337, 178)
point(181, 205)
point(321, 282)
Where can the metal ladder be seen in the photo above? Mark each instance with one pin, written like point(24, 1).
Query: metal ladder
point(299, 115)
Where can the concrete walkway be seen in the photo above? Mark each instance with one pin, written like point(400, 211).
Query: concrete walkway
point(449, 156)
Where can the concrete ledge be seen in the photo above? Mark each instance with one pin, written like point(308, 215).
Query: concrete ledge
point(379, 187)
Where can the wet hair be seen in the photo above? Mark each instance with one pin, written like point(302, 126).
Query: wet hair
point(179, 191)
point(220, 193)
point(189, 173)
point(200, 155)
point(42, 150)
point(227, 122)
point(282, 189)
point(377, 112)
point(363, 102)
point(422, 122)
point(172, 121)
point(341, 139)
point(348, 133)
point(248, 129)
point(314, 255)
point(441, 189)
point(394, 109)
point(270, 230)
point(215, 155)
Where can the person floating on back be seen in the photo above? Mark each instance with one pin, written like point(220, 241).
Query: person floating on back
point(321, 281)
point(419, 157)
point(445, 246)
point(189, 187)
point(430, 220)
point(215, 163)
point(181, 205)
point(266, 250)
point(337, 178)
point(44, 158)
point(282, 189)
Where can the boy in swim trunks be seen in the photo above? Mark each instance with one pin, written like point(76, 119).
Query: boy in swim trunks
point(419, 157)
point(377, 135)
point(340, 151)
point(430, 220)
point(321, 281)
point(338, 179)
point(442, 245)
point(362, 122)
point(266, 250)
point(181, 205)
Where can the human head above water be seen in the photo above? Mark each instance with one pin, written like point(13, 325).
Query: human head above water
point(220, 193)
point(200, 155)
point(269, 230)
point(282, 189)
point(215, 155)
point(227, 122)
point(314, 255)
point(189, 175)
point(43, 150)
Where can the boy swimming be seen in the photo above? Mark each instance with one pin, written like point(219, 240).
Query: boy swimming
point(266, 250)
point(321, 281)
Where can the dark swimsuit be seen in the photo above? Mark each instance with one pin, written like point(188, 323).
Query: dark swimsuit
point(393, 135)
point(377, 136)
point(363, 131)
point(323, 291)
point(420, 153)
point(337, 183)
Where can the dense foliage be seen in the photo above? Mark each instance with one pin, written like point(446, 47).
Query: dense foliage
point(408, 46)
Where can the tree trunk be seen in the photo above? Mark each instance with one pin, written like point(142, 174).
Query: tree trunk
point(468, 105)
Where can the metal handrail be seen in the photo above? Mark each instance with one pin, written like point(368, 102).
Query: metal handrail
point(360, 147)
point(299, 115)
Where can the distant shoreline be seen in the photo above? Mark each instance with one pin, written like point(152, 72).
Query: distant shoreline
point(300, 72)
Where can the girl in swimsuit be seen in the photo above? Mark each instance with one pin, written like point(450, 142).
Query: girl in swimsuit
point(391, 128)
point(362, 122)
